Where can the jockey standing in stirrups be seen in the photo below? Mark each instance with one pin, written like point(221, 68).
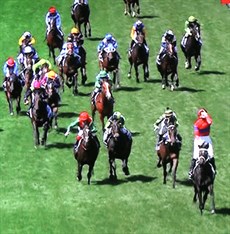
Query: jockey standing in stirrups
point(160, 126)
point(202, 139)
point(108, 39)
point(137, 28)
point(11, 67)
point(167, 38)
point(76, 37)
point(103, 75)
point(117, 116)
point(25, 40)
point(84, 118)
point(40, 65)
point(66, 49)
point(53, 14)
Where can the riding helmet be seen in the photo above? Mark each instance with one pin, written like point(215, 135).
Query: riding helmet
point(108, 36)
point(27, 35)
point(51, 74)
point(52, 10)
point(168, 113)
point(74, 31)
point(84, 116)
point(191, 19)
point(27, 50)
point(117, 115)
point(10, 62)
point(103, 74)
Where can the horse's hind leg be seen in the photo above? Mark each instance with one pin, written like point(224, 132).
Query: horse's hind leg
point(125, 167)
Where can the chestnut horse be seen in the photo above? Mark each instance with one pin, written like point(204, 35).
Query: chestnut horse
point(132, 7)
point(110, 63)
point(54, 39)
point(80, 15)
point(191, 46)
point(139, 56)
point(13, 92)
point(169, 152)
point(203, 180)
point(168, 65)
point(119, 147)
point(87, 152)
point(103, 103)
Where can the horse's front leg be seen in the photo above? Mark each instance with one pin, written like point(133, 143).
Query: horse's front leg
point(85, 28)
point(18, 107)
point(112, 169)
point(201, 204)
point(198, 62)
point(130, 69)
point(89, 28)
point(36, 135)
point(163, 81)
point(125, 167)
point(75, 86)
point(138, 7)
point(10, 102)
point(137, 73)
point(164, 171)
point(212, 197)
point(83, 75)
point(102, 122)
point(89, 174)
point(146, 72)
point(174, 170)
point(188, 64)
point(79, 170)
point(45, 133)
point(55, 116)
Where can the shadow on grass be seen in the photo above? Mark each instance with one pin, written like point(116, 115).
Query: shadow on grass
point(191, 90)
point(147, 16)
point(185, 182)
point(59, 145)
point(223, 211)
point(128, 89)
point(1, 89)
point(1, 130)
point(67, 115)
point(154, 81)
point(83, 94)
point(211, 73)
point(132, 178)
point(61, 130)
point(63, 104)
point(135, 134)
point(90, 84)
point(95, 38)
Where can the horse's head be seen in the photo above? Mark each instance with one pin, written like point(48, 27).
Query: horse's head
point(110, 50)
point(140, 38)
point(195, 32)
point(53, 24)
point(50, 88)
point(106, 89)
point(115, 129)
point(10, 81)
point(171, 132)
point(203, 153)
point(86, 135)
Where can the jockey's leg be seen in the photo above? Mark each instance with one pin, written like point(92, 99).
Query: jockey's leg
point(94, 93)
point(212, 161)
point(193, 163)
point(97, 141)
point(49, 111)
point(106, 135)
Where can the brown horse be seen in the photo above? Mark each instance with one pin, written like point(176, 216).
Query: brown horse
point(27, 70)
point(132, 7)
point(110, 63)
point(13, 92)
point(87, 152)
point(139, 56)
point(203, 181)
point(119, 147)
point(70, 70)
point(103, 103)
point(53, 101)
point(168, 65)
point(54, 39)
point(191, 46)
point(80, 15)
point(169, 153)
point(39, 118)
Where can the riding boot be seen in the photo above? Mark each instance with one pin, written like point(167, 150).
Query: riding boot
point(97, 142)
point(179, 141)
point(159, 139)
point(212, 161)
point(193, 163)
point(93, 97)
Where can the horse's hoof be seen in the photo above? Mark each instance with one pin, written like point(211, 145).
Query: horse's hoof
point(55, 126)
point(125, 12)
point(11, 113)
point(163, 86)
point(172, 88)
point(213, 212)
point(197, 68)
point(129, 75)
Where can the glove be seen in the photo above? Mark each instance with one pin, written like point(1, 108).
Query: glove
point(204, 114)
point(26, 102)
point(67, 133)
point(155, 127)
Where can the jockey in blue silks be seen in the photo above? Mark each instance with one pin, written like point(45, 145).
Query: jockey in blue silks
point(53, 14)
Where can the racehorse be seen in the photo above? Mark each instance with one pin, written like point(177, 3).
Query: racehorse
point(39, 118)
point(70, 70)
point(87, 152)
point(110, 63)
point(203, 180)
point(139, 56)
point(53, 101)
point(119, 147)
point(54, 39)
point(168, 152)
point(80, 15)
point(168, 65)
point(132, 7)
point(13, 92)
point(27, 70)
point(192, 47)
point(103, 103)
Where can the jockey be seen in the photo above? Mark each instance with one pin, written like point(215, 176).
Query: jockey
point(202, 134)
point(83, 118)
point(11, 67)
point(76, 37)
point(103, 75)
point(167, 38)
point(117, 116)
point(137, 28)
point(78, 2)
point(190, 23)
point(68, 47)
point(53, 14)
point(37, 85)
point(28, 51)
point(41, 63)
point(161, 124)
point(25, 40)
point(108, 39)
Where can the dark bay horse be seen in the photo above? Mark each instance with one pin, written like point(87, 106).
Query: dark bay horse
point(119, 147)
point(169, 152)
point(27, 70)
point(132, 7)
point(103, 103)
point(13, 92)
point(53, 101)
point(203, 181)
point(70, 71)
point(39, 118)
point(110, 63)
point(139, 56)
point(191, 47)
point(80, 15)
point(87, 152)
point(54, 39)
point(168, 66)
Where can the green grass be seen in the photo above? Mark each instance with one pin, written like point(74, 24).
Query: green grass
point(38, 189)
